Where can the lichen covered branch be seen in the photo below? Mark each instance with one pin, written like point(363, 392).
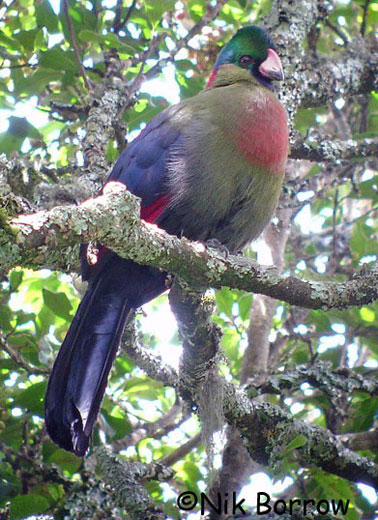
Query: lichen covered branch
point(113, 220)
point(316, 147)
point(267, 430)
point(126, 480)
point(320, 375)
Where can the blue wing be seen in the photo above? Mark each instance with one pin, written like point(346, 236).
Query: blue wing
point(142, 167)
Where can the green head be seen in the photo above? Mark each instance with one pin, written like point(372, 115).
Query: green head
point(251, 48)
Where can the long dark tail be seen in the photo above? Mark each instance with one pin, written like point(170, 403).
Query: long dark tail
point(80, 373)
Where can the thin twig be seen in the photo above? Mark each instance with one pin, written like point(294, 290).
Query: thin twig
point(75, 46)
point(334, 222)
point(338, 31)
point(209, 16)
point(183, 450)
point(117, 18)
point(20, 66)
point(118, 25)
point(8, 8)
point(364, 17)
point(139, 79)
point(19, 359)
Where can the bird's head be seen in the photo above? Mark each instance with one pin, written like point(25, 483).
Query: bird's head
point(251, 49)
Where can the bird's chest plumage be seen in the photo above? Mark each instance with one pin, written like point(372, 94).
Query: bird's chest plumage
point(226, 172)
point(261, 134)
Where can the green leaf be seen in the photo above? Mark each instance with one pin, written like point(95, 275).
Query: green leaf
point(24, 317)
point(15, 279)
point(120, 425)
point(46, 17)
point(40, 41)
point(369, 189)
point(368, 315)
point(320, 319)
point(157, 8)
point(365, 412)
point(196, 9)
point(44, 319)
point(191, 474)
point(225, 300)
point(112, 40)
point(6, 317)
point(37, 82)
point(58, 303)
point(26, 505)
point(90, 36)
point(230, 343)
point(11, 44)
point(65, 460)
point(362, 241)
point(26, 38)
point(11, 433)
point(81, 18)
point(75, 15)
point(185, 65)
point(31, 398)
point(19, 129)
point(144, 388)
point(297, 442)
point(57, 59)
point(245, 302)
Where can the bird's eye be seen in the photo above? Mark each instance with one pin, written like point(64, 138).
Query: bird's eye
point(245, 60)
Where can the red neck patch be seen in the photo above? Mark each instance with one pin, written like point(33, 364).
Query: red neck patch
point(262, 134)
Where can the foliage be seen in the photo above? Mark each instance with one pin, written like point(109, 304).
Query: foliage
point(45, 99)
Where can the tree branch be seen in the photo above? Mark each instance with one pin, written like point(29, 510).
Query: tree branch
point(118, 25)
point(267, 430)
point(313, 81)
point(168, 422)
point(18, 359)
point(318, 147)
point(354, 72)
point(319, 375)
point(126, 480)
point(359, 441)
point(193, 314)
point(75, 46)
point(145, 359)
point(182, 451)
point(107, 101)
point(113, 220)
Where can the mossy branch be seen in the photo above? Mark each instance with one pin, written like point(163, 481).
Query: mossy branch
point(113, 220)
point(126, 480)
point(267, 430)
point(317, 147)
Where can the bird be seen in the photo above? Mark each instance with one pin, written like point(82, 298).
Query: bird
point(209, 168)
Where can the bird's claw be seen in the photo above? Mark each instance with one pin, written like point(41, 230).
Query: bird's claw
point(215, 244)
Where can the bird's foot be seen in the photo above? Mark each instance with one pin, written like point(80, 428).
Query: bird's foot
point(215, 244)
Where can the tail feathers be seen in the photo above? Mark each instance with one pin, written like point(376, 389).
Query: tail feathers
point(81, 369)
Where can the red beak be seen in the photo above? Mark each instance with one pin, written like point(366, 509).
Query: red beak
point(272, 68)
